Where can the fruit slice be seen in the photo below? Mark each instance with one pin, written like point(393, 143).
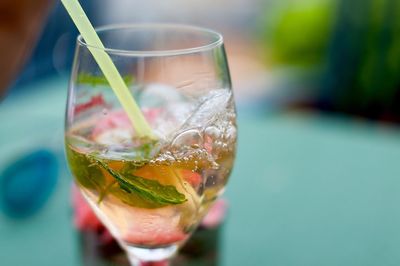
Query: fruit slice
point(154, 229)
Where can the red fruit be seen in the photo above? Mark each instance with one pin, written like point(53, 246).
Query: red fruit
point(192, 177)
point(159, 237)
point(215, 215)
point(119, 119)
point(94, 101)
point(84, 218)
point(155, 263)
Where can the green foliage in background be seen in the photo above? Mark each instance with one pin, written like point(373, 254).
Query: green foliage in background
point(363, 72)
point(298, 32)
point(379, 72)
point(354, 46)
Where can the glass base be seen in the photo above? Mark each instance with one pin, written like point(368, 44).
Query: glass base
point(139, 255)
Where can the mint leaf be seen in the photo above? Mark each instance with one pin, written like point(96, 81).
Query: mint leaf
point(149, 190)
point(85, 173)
point(89, 79)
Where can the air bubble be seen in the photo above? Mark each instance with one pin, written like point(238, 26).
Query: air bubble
point(214, 165)
point(217, 144)
point(230, 133)
point(195, 146)
point(213, 132)
point(188, 138)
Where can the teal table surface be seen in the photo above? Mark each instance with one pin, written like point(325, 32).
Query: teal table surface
point(306, 189)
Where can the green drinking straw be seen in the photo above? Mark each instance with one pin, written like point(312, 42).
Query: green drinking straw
point(108, 68)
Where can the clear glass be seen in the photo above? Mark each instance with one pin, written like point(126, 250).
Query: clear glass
point(152, 194)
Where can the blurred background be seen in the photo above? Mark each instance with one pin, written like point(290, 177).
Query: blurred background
point(317, 86)
point(330, 55)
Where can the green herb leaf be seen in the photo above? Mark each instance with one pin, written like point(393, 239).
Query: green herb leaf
point(88, 177)
point(89, 79)
point(150, 190)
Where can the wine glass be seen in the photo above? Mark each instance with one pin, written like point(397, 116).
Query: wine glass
point(152, 192)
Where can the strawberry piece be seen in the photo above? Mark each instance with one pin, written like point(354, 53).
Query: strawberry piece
point(155, 263)
point(84, 217)
point(159, 237)
point(94, 101)
point(192, 177)
point(120, 120)
point(215, 215)
point(117, 119)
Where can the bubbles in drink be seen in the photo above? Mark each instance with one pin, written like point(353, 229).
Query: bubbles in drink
point(190, 138)
point(230, 133)
point(174, 179)
point(212, 132)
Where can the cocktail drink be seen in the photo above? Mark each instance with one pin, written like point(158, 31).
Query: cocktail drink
point(152, 191)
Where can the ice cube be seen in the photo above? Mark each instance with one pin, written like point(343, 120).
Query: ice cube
point(159, 95)
point(171, 119)
point(190, 137)
point(211, 105)
point(172, 108)
point(177, 113)
point(114, 136)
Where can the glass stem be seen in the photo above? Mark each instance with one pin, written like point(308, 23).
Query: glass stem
point(150, 257)
point(134, 261)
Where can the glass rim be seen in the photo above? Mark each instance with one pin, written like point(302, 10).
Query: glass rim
point(113, 27)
